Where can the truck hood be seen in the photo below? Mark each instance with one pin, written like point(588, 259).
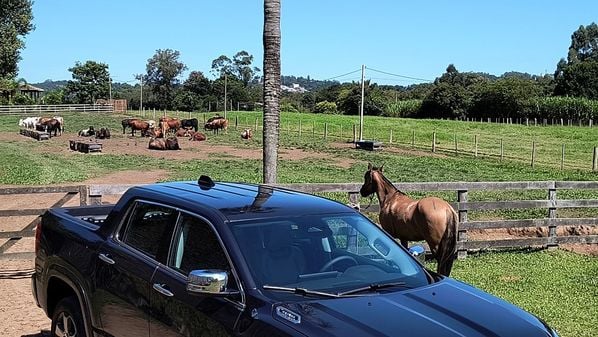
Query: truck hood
point(447, 308)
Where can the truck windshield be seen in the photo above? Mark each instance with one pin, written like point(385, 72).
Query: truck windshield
point(326, 253)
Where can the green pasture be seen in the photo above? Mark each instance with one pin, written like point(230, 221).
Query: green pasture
point(558, 286)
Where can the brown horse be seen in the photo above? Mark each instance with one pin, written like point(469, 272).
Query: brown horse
point(431, 219)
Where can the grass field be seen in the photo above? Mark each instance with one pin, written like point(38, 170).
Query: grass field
point(558, 286)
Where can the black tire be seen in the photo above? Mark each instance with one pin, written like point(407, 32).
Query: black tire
point(67, 320)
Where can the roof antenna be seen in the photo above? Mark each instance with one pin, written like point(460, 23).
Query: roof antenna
point(205, 182)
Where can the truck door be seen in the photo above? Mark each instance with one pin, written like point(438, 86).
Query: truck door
point(176, 312)
point(126, 265)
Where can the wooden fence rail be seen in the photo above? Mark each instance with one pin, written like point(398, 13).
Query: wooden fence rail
point(463, 206)
point(93, 194)
point(28, 230)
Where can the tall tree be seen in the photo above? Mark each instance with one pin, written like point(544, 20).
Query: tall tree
point(271, 40)
point(239, 66)
point(15, 22)
point(578, 75)
point(242, 66)
point(163, 70)
point(91, 80)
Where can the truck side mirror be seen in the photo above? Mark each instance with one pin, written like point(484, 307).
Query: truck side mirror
point(208, 281)
point(418, 252)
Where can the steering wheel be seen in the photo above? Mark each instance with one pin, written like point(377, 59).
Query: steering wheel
point(337, 259)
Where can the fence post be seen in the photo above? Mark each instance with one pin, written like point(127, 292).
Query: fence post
point(83, 193)
point(502, 150)
point(95, 199)
point(533, 153)
point(354, 134)
point(595, 160)
point(236, 122)
point(354, 198)
point(475, 140)
point(456, 145)
point(325, 131)
point(413, 139)
point(590, 123)
point(299, 128)
point(434, 142)
point(462, 233)
point(552, 244)
point(390, 138)
point(562, 157)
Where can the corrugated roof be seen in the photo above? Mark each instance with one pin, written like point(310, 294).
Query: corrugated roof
point(29, 87)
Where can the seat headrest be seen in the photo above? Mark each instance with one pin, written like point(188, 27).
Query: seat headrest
point(278, 237)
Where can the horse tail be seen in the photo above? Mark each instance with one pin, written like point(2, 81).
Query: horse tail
point(448, 244)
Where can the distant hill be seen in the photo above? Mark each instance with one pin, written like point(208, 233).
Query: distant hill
point(49, 85)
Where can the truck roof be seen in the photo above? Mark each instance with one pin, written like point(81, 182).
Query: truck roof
point(243, 201)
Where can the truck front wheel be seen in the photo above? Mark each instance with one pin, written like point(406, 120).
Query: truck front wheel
point(67, 320)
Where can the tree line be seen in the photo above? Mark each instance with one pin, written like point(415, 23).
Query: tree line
point(571, 92)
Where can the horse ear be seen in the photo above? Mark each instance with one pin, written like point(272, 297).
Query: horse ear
point(370, 166)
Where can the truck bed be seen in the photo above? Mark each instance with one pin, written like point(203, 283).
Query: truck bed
point(91, 216)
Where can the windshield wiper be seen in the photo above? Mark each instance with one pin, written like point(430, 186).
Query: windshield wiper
point(374, 287)
point(300, 291)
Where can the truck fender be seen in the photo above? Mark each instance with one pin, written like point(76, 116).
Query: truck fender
point(75, 282)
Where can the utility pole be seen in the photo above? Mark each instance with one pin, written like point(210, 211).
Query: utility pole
point(225, 96)
point(141, 99)
point(361, 108)
point(110, 90)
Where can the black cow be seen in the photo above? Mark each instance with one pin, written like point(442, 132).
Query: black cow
point(104, 133)
point(190, 123)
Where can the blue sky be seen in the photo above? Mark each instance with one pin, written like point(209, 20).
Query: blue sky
point(320, 38)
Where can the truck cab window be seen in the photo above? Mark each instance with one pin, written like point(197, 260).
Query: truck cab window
point(196, 246)
point(150, 229)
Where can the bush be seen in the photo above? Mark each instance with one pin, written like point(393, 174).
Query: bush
point(326, 107)
point(21, 99)
point(406, 108)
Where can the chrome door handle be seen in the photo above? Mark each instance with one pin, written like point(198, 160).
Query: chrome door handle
point(106, 258)
point(160, 288)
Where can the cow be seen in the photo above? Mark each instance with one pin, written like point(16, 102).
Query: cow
point(216, 125)
point(167, 123)
point(136, 124)
point(246, 134)
point(29, 122)
point(183, 132)
point(190, 123)
point(50, 125)
point(170, 143)
point(104, 133)
point(87, 132)
point(197, 136)
point(61, 120)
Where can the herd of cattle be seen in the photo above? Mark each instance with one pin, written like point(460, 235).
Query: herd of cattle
point(47, 124)
point(163, 136)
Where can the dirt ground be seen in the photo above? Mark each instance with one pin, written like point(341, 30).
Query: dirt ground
point(19, 316)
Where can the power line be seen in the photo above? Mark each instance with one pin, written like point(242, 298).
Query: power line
point(397, 75)
point(389, 79)
point(349, 73)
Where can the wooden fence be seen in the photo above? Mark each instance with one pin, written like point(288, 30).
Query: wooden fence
point(93, 194)
point(462, 205)
point(50, 109)
point(27, 230)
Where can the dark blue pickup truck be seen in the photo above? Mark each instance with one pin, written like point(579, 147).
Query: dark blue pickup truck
point(228, 259)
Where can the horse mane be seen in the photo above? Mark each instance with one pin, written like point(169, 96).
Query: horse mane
point(388, 181)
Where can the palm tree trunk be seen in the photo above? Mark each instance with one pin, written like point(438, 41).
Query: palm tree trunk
point(271, 88)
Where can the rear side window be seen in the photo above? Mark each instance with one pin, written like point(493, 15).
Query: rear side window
point(150, 229)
